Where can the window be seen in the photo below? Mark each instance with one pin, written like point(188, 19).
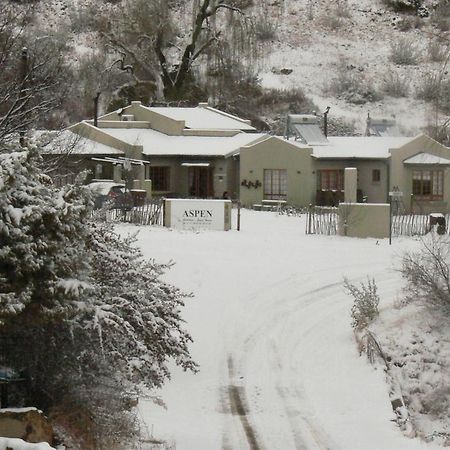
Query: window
point(275, 184)
point(428, 184)
point(330, 180)
point(376, 175)
point(160, 177)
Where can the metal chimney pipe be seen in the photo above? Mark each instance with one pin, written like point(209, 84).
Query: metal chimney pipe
point(325, 121)
point(96, 109)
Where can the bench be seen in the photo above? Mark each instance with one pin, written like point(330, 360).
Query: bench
point(273, 205)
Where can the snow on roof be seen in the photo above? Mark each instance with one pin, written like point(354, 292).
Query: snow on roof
point(204, 118)
point(426, 158)
point(73, 144)
point(156, 143)
point(359, 147)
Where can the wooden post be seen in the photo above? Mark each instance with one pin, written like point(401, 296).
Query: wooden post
point(309, 219)
point(390, 219)
point(4, 395)
point(239, 216)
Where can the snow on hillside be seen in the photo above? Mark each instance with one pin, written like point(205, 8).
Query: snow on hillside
point(279, 366)
point(314, 42)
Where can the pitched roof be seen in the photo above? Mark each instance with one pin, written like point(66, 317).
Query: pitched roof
point(202, 117)
point(156, 143)
point(68, 142)
point(426, 158)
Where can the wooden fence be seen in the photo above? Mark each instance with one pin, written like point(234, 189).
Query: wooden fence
point(151, 213)
point(414, 224)
point(322, 220)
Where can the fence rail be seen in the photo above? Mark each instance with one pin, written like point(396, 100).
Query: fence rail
point(151, 213)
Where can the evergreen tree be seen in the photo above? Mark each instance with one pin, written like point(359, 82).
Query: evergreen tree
point(83, 315)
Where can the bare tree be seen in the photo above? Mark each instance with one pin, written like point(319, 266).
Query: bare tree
point(30, 71)
point(150, 47)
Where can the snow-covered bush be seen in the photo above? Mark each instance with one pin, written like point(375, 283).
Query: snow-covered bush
point(405, 52)
point(83, 316)
point(365, 302)
point(395, 85)
point(427, 273)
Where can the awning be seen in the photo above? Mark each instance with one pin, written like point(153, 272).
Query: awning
point(120, 160)
point(427, 159)
point(195, 164)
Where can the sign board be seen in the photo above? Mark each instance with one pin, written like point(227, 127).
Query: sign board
point(395, 194)
point(197, 214)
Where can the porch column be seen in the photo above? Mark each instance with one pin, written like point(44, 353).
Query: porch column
point(350, 184)
point(117, 173)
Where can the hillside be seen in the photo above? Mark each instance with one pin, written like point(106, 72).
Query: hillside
point(339, 53)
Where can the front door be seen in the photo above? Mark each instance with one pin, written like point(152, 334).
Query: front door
point(201, 182)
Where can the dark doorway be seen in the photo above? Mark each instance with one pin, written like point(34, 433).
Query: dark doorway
point(200, 182)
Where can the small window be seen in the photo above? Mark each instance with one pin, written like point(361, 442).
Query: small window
point(160, 177)
point(376, 175)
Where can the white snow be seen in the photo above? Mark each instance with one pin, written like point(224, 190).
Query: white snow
point(279, 367)
point(19, 444)
point(426, 158)
point(359, 147)
point(156, 143)
point(19, 410)
point(204, 118)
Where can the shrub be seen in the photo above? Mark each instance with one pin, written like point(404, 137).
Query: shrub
point(435, 87)
point(429, 87)
point(265, 28)
point(395, 85)
point(404, 52)
point(441, 16)
point(408, 6)
point(352, 85)
point(365, 302)
point(437, 51)
point(427, 273)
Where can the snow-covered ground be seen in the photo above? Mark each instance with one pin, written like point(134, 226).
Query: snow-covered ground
point(279, 368)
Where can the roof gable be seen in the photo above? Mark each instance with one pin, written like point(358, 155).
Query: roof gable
point(204, 117)
point(424, 158)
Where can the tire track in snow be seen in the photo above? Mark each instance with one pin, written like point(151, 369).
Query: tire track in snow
point(306, 434)
point(239, 407)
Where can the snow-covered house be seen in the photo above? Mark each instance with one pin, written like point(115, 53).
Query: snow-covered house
point(203, 152)
point(188, 151)
point(309, 170)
